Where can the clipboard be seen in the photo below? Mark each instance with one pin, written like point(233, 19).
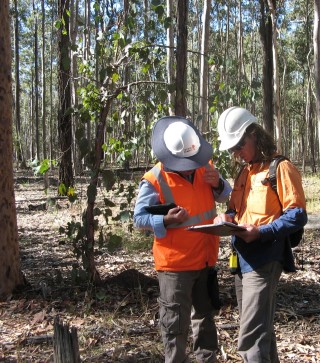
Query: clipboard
point(161, 209)
point(220, 229)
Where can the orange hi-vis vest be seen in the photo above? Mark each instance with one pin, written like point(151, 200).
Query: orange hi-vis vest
point(182, 250)
point(256, 202)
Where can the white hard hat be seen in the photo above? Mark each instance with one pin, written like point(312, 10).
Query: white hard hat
point(178, 144)
point(181, 140)
point(232, 125)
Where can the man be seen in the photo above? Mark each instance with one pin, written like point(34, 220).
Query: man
point(185, 176)
point(269, 217)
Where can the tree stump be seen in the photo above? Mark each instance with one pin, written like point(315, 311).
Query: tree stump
point(65, 343)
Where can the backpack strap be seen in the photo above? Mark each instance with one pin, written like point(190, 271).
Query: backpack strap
point(296, 237)
point(272, 179)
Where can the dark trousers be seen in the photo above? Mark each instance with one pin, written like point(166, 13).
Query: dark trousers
point(256, 296)
point(183, 300)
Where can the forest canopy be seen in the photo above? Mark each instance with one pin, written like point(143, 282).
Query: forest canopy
point(79, 63)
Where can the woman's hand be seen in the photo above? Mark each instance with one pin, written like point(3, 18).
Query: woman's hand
point(175, 215)
point(223, 218)
point(250, 234)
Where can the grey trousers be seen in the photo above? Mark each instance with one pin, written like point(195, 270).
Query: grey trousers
point(183, 300)
point(256, 296)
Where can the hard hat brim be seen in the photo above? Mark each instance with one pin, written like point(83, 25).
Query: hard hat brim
point(229, 144)
point(171, 161)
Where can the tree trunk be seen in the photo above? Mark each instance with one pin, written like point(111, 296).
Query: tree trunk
point(223, 70)
point(126, 76)
point(286, 126)
point(64, 115)
point(89, 251)
point(316, 47)
point(240, 53)
point(10, 272)
point(32, 126)
point(309, 120)
point(43, 71)
point(36, 82)
point(74, 84)
point(181, 58)
point(204, 67)
point(310, 127)
point(17, 84)
point(44, 126)
point(266, 39)
point(51, 148)
point(276, 82)
point(86, 52)
point(170, 56)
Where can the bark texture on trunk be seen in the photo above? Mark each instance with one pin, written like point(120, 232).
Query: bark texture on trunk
point(266, 39)
point(181, 73)
point(64, 114)
point(65, 343)
point(10, 272)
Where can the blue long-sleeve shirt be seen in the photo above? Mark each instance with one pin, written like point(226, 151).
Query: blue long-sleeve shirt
point(273, 244)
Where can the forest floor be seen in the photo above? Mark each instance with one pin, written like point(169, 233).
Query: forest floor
point(118, 320)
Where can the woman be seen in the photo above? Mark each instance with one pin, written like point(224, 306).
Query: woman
point(263, 249)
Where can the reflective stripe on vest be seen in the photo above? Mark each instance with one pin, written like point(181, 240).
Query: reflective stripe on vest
point(168, 198)
point(167, 193)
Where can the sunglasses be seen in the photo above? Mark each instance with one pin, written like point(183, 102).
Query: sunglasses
point(239, 145)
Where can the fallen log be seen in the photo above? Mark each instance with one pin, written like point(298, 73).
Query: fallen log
point(228, 326)
point(308, 312)
point(37, 339)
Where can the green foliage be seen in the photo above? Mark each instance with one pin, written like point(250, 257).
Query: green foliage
point(70, 192)
point(138, 241)
point(62, 189)
point(158, 7)
point(108, 179)
point(76, 233)
point(114, 243)
point(122, 148)
point(118, 218)
point(90, 97)
point(79, 275)
point(41, 167)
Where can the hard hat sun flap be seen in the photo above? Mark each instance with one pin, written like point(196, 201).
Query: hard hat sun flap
point(232, 125)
